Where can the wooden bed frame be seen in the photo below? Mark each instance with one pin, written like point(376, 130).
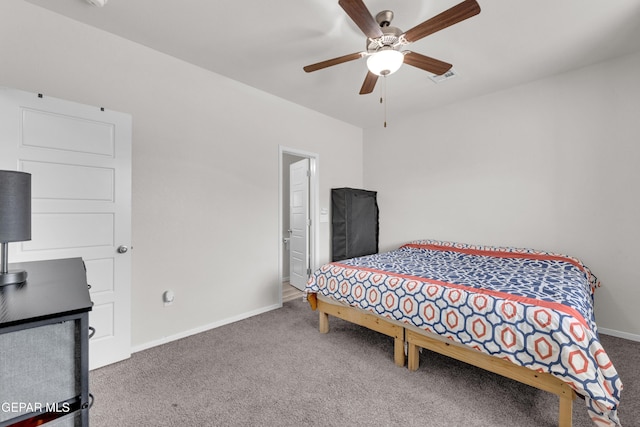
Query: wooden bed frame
point(416, 340)
point(353, 315)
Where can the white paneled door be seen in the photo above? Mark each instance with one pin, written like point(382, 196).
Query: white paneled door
point(79, 158)
point(299, 223)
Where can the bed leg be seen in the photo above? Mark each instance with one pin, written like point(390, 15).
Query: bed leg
point(565, 411)
point(414, 357)
point(398, 350)
point(324, 323)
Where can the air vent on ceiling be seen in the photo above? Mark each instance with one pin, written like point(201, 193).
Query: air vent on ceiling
point(446, 76)
point(99, 3)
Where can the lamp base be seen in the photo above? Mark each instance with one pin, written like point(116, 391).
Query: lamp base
point(13, 277)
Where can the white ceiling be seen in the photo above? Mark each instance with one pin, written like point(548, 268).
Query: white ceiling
point(265, 44)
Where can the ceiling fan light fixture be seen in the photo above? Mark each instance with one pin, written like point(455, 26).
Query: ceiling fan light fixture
point(385, 62)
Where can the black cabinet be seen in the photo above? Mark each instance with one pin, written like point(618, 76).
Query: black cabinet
point(44, 343)
point(354, 223)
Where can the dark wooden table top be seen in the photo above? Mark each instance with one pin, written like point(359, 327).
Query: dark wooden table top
point(53, 288)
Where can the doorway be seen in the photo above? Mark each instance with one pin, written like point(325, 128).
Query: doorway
point(287, 157)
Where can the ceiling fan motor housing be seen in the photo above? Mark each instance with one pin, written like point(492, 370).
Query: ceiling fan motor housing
point(390, 38)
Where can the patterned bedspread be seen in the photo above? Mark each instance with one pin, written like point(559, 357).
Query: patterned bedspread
point(532, 308)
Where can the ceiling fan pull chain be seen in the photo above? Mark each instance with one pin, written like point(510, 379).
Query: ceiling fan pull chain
point(385, 100)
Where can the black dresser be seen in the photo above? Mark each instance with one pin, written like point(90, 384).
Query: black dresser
point(44, 345)
point(354, 223)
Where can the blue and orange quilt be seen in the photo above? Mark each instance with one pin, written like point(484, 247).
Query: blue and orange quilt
point(530, 307)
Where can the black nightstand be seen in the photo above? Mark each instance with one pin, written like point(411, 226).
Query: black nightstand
point(44, 345)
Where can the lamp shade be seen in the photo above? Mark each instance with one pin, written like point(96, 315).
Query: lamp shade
point(385, 62)
point(15, 206)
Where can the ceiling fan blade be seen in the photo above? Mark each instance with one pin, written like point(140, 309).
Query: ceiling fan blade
point(369, 83)
point(334, 61)
point(426, 63)
point(359, 13)
point(460, 12)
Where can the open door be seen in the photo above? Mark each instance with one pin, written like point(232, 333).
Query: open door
point(79, 157)
point(299, 223)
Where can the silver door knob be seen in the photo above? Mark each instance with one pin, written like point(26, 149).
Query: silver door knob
point(122, 249)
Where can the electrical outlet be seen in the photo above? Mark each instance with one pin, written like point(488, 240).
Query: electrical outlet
point(168, 297)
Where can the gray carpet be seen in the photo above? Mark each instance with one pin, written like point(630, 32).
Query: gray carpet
point(275, 369)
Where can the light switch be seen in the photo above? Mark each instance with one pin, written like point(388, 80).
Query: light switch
point(324, 215)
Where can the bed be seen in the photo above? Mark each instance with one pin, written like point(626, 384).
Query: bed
point(521, 313)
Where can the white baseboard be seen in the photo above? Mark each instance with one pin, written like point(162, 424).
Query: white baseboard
point(619, 334)
point(204, 328)
point(605, 331)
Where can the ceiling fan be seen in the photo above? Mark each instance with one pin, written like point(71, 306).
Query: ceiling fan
point(384, 41)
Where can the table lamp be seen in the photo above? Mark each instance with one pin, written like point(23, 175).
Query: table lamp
point(15, 220)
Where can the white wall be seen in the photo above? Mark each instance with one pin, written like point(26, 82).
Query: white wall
point(205, 165)
point(552, 165)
